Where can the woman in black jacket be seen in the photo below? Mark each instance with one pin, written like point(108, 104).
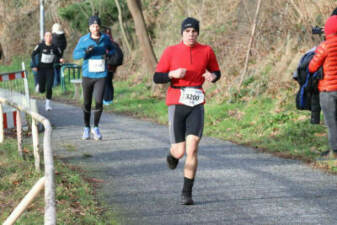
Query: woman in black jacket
point(47, 55)
point(60, 41)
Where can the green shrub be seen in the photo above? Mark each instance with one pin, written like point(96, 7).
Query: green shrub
point(77, 14)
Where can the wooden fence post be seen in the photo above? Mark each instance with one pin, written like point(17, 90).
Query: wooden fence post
point(19, 132)
point(35, 136)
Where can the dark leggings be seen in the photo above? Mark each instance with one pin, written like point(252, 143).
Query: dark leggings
point(92, 86)
point(46, 79)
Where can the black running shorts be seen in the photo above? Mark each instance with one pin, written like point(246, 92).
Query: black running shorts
point(185, 120)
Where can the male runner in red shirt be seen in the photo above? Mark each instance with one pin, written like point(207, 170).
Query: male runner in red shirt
point(186, 66)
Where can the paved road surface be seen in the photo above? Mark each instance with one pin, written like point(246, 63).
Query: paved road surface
point(234, 185)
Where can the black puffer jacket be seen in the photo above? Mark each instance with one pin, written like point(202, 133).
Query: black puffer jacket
point(59, 40)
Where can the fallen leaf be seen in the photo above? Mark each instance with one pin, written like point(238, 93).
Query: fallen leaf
point(320, 134)
point(95, 180)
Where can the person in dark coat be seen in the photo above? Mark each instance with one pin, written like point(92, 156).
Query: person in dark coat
point(34, 63)
point(60, 41)
point(108, 87)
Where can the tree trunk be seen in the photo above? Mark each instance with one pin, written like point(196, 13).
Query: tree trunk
point(142, 35)
point(120, 19)
point(250, 43)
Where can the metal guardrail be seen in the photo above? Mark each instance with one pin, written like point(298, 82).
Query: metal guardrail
point(73, 69)
point(48, 180)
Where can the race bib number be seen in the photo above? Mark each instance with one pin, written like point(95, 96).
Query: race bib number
point(191, 96)
point(47, 58)
point(96, 65)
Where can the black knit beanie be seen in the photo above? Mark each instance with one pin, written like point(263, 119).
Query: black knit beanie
point(190, 22)
point(334, 12)
point(94, 20)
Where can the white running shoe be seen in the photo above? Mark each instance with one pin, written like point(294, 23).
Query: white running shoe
point(96, 133)
point(48, 105)
point(86, 133)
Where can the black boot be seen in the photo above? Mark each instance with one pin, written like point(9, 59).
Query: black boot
point(315, 117)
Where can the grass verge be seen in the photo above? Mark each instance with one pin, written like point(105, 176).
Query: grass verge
point(75, 196)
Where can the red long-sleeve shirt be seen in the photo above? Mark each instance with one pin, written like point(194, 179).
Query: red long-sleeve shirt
point(196, 60)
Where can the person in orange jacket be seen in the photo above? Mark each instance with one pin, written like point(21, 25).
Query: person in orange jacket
point(326, 56)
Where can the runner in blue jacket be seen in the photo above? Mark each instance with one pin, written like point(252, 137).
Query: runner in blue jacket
point(93, 48)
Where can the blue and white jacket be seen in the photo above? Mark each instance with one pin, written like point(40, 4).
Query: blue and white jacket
point(103, 47)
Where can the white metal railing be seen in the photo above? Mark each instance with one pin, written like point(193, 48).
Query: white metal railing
point(46, 182)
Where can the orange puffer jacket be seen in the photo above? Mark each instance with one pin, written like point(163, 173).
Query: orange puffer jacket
point(326, 55)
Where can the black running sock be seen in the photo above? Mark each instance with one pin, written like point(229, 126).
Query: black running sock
point(171, 156)
point(188, 184)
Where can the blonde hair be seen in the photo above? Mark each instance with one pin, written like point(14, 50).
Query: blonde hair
point(57, 29)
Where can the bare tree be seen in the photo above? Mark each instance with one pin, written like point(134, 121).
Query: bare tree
point(141, 32)
point(250, 43)
point(120, 19)
point(93, 7)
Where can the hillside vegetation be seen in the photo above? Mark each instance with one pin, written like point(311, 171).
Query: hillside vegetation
point(283, 34)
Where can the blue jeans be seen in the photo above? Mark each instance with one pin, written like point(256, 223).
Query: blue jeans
point(36, 80)
point(57, 76)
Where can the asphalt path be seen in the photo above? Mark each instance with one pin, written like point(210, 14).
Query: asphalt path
point(235, 185)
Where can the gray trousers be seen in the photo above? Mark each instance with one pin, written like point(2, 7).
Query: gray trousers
point(328, 102)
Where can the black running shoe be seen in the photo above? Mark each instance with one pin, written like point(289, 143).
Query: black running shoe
point(328, 155)
point(186, 199)
point(325, 153)
point(171, 162)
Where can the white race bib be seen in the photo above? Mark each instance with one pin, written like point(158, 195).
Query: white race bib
point(191, 96)
point(47, 58)
point(96, 65)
